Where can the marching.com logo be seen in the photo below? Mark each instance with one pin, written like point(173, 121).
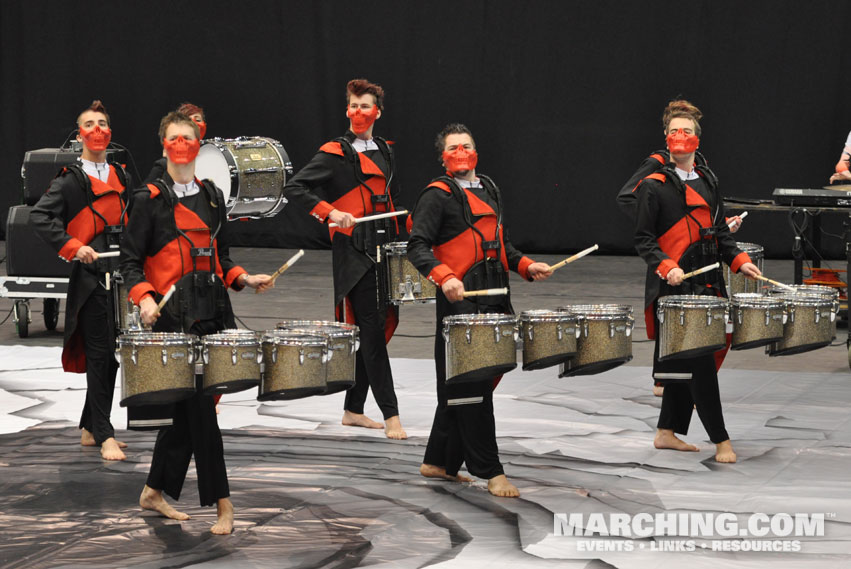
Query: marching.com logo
point(716, 531)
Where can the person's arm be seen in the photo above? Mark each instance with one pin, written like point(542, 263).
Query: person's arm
point(300, 189)
point(523, 265)
point(627, 197)
point(645, 238)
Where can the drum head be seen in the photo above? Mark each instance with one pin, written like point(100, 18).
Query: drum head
point(211, 164)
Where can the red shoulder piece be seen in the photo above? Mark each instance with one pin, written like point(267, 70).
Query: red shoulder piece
point(658, 157)
point(442, 185)
point(332, 148)
point(155, 191)
point(658, 176)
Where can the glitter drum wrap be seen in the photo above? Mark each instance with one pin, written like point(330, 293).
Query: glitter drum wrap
point(809, 324)
point(405, 284)
point(479, 347)
point(343, 343)
point(232, 361)
point(605, 338)
point(738, 283)
point(757, 320)
point(691, 325)
point(819, 291)
point(295, 365)
point(549, 337)
point(157, 368)
point(251, 171)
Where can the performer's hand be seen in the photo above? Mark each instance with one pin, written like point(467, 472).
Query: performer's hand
point(453, 289)
point(260, 283)
point(86, 254)
point(341, 218)
point(843, 176)
point(736, 223)
point(148, 311)
point(675, 276)
point(540, 271)
point(750, 270)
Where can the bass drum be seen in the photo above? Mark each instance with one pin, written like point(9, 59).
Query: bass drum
point(251, 171)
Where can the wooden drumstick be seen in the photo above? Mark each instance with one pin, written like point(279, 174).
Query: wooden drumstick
point(705, 269)
point(288, 264)
point(105, 255)
point(573, 258)
point(742, 216)
point(486, 292)
point(165, 298)
point(775, 283)
point(376, 216)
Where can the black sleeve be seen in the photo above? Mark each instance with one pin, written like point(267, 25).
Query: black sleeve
point(428, 219)
point(48, 216)
point(727, 245)
point(223, 242)
point(300, 188)
point(627, 197)
point(647, 212)
point(137, 239)
point(512, 255)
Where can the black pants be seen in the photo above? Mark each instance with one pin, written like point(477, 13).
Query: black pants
point(683, 394)
point(195, 430)
point(372, 361)
point(461, 433)
point(96, 322)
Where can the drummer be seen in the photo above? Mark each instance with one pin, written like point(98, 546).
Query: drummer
point(457, 241)
point(350, 177)
point(842, 174)
point(177, 235)
point(82, 201)
point(195, 113)
point(680, 226)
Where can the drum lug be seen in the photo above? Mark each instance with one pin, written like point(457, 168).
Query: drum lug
point(660, 314)
point(630, 324)
point(532, 332)
point(233, 355)
point(682, 317)
point(205, 355)
point(165, 356)
point(559, 332)
point(496, 334)
point(134, 356)
point(327, 354)
point(258, 356)
point(275, 354)
point(817, 314)
point(767, 317)
point(468, 334)
point(301, 356)
point(708, 317)
point(611, 328)
point(792, 313)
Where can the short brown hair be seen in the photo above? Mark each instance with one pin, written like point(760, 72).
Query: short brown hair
point(96, 107)
point(453, 128)
point(190, 109)
point(680, 108)
point(175, 117)
point(360, 87)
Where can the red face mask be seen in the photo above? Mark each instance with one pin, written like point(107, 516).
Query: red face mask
point(460, 159)
point(681, 143)
point(180, 150)
point(361, 121)
point(96, 138)
point(202, 126)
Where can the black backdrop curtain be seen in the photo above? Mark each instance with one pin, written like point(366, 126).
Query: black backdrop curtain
point(564, 97)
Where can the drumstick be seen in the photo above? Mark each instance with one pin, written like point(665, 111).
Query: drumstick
point(705, 269)
point(486, 292)
point(573, 258)
point(288, 264)
point(165, 298)
point(732, 223)
point(376, 216)
point(105, 255)
point(775, 283)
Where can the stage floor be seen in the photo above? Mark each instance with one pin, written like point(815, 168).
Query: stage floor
point(309, 492)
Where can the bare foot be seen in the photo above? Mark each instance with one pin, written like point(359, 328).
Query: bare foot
point(224, 510)
point(111, 450)
point(665, 438)
point(87, 439)
point(724, 452)
point(500, 486)
point(360, 420)
point(432, 471)
point(153, 500)
point(393, 428)
point(658, 390)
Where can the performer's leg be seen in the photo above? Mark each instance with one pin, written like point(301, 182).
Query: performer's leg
point(707, 398)
point(208, 449)
point(677, 403)
point(169, 464)
point(96, 328)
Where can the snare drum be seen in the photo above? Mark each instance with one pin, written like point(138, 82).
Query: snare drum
point(343, 343)
point(295, 365)
point(549, 337)
point(605, 338)
point(405, 283)
point(820, 291)
point(156, 367)
point(251, 171)
point(691, 325)
point(757, 320)
point(809, 324)
point(479, 347)
point(739, 283)
point(231, 361)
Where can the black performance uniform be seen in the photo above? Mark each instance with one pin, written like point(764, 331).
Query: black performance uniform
point(682, 224)
point(78, 210)
point(162, 235)
point(457, 232)
point(157, 171)
point(357, 183)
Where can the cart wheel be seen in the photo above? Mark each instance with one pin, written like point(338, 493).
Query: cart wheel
point(23, 311)
point(51, 313)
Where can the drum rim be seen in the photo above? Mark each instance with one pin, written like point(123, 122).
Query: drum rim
point(749, 247)
point(489, 318)
point(755, 299)
point(598, 311)
point(692, 301)
point(157, 338)
point(299, 324)
point(798, 299)
point(807, 290)
point(545, 315)
point(293, 338)
point(396, 245)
